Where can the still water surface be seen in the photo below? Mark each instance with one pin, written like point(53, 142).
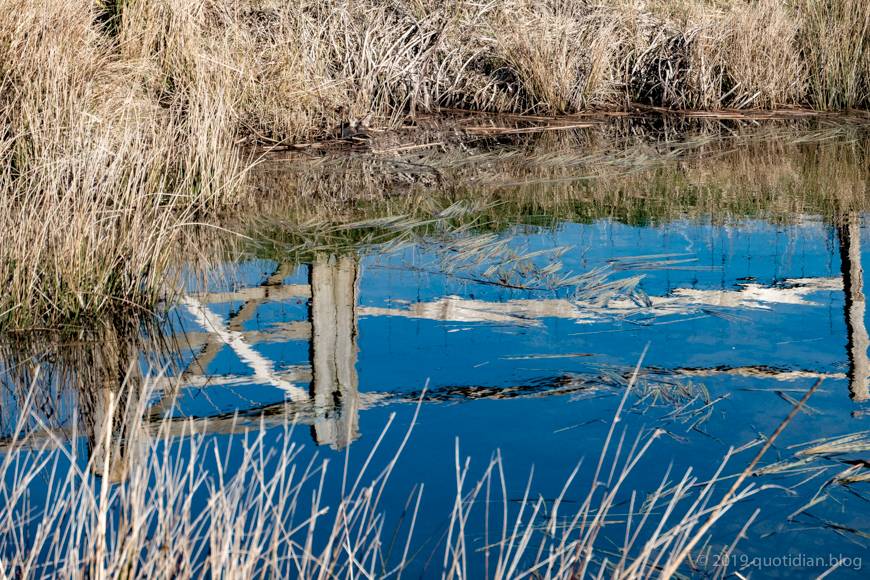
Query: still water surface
point(525, 334)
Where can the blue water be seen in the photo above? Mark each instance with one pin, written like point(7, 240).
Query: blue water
point(727, 320)
point(756, 316)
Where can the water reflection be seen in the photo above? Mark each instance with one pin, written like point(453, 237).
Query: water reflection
point(334, 384)
point(752, 289)
point(682, 301)
point(332, 402)
point(322, 388)
point(849, 234)
point(227, 372)
point(80, 385)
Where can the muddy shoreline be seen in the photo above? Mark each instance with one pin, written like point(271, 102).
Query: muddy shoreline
point(457, 125)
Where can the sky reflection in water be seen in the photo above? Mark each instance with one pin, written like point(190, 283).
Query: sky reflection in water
point(740, 315)
point(737, 334)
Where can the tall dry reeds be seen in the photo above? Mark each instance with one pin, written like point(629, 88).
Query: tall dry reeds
point(100, 170)
point(301, 70)
point(119, 118)
point(158, 499)
point(836, 46)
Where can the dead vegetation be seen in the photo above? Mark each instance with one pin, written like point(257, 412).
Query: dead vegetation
point(144, 503)
point(100, 172)
point(314, 69)
point(119, 119)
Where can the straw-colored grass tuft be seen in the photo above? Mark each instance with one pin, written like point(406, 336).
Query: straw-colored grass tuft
point(99, 171)
point(835, 42)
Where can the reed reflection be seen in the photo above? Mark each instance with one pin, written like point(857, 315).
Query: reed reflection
point(78, 387)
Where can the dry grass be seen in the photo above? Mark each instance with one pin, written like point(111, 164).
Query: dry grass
point(301, 71)
point(146, 503)
point(119, 119)
point(836, 46)
point(99, 173)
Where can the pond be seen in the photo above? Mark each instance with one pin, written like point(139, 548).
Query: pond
point(503, 296)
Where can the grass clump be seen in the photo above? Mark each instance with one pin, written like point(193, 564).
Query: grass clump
point(836, 46)
point(99, 171)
